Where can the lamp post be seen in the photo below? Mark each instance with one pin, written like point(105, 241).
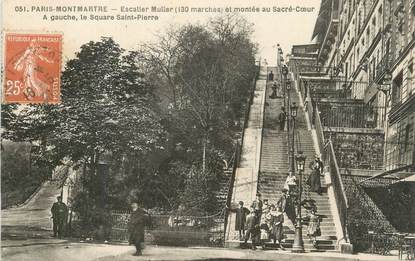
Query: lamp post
point(293, 114)
point(298, 245)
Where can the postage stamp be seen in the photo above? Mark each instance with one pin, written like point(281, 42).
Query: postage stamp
point(32, 68)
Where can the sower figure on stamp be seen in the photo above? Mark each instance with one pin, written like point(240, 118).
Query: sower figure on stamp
point(59, 215)
point(138, 220)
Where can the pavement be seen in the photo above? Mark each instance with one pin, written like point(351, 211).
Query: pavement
point(35, 212)
point(72, 251)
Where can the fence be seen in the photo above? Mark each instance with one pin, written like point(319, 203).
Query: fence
point(329, 158)
point(335, 89)
point(349, 115)
point(174, 229)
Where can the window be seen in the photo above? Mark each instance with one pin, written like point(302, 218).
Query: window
point(410, 78)
point(408, 136)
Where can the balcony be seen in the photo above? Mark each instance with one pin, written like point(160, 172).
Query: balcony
point(383, 67)
point(337, 89)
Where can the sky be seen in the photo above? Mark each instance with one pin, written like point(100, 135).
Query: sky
point(285, 28)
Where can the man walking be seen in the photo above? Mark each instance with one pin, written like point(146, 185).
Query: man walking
point(59, 215)
point(136, 228)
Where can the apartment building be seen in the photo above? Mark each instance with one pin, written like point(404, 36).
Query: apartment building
point(369, 44)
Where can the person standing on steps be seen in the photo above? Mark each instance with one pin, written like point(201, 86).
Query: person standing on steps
point(253, 231)
point(257, 206)
point(271, 76)
point(277, 221)
point(240, 221)
point(59, 215)
point(286, 203)
point(313, 230)
point(314, 180)
point(281, 118)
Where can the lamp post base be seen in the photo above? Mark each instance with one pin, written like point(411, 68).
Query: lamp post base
point(298, 245)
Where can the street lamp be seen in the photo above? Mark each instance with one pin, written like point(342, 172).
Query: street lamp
point(288, 84)
point(298, 245)
point(294, 109)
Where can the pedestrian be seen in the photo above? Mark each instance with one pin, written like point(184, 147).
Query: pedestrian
point(274, 90)
point(313, 230)
point(241, 214)
point(277, 229)
point(257, 206)
point(314, 180)
point(59, 215)
point(136, 226)
point(265, 209)
point(286, 203)
point(281, 118)
point(253, 232)
point(271, 76)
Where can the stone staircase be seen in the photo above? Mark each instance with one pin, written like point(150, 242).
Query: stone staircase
point(274, 170)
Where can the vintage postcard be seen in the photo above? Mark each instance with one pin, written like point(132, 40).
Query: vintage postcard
point(207, 130)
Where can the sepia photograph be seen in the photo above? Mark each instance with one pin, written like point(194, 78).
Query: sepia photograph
point(207, 130)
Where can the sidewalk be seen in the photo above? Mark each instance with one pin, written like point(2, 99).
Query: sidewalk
point(200, 253)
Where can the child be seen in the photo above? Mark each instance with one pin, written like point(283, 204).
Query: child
point(313, 230)
point(277, 222)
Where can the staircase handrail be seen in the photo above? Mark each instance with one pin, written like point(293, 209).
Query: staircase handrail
point(238, 149)
point(329, 159)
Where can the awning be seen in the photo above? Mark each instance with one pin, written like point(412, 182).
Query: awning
point(389, 172)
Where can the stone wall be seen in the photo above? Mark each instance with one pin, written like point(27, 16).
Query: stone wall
point(358, 149)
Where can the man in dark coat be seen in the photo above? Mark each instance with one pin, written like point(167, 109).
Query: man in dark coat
point(271, 76)
point(281, 118)
point(314, 181)
point(136, 226)
point(253, 230)
point(59, 215)
point(241, 214)
point(257, 206)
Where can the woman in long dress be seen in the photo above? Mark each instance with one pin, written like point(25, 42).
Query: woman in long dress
point(314, 182)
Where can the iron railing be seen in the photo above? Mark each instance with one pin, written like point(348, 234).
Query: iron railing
point(329, 159)
point(383, 66)
point(336, 89)
point(350, 115)
point(173, 229)
point(313, 68)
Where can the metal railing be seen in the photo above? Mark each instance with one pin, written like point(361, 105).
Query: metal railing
point(313, 68)
point(173, 229)
point(383, 66)
point(337, 89)
point(329, 159)
point(350, 115)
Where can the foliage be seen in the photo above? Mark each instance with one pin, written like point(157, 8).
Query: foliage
point(161, 118)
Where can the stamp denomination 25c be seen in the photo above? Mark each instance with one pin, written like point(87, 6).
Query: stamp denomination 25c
point(32, 68)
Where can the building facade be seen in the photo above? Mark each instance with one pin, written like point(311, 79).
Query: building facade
point(369, 46)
